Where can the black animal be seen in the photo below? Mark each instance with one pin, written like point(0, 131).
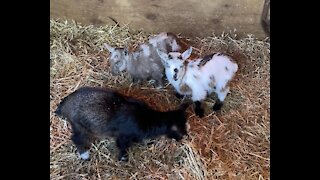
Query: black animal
point(100, 113)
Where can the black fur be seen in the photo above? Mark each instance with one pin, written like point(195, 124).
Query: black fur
point(100, 113)
point(198, 109)
point(179, 96)
point(206, 59)
point(218, 105)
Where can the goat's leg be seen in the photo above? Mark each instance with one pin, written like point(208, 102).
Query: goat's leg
point(83, 144)
point(222, 94)
point(217, 105)
point(197, 96)
point(82, 140)
point(123, 143)
point(199, 109)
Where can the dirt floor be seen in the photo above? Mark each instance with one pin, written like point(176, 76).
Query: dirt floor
point(232, 144)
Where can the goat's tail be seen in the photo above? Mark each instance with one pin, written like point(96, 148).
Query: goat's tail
point(58, 111)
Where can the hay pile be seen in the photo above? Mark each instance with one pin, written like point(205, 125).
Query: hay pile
point(234, 144)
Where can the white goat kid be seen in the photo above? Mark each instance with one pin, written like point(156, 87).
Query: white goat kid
point(144, 63)
point(199, 77)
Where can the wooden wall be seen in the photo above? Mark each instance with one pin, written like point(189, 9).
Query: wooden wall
point(189, 17)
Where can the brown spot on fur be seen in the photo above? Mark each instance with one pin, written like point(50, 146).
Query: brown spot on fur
point(180, 41)
point(193, 56)
point(184, 45)
point(212, 83)
point(185, 88)
point(205, 59)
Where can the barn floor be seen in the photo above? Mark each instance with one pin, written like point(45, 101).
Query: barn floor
point(232, 144)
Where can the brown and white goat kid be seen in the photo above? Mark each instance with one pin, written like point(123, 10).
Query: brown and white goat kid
point(145, 63)
point(199, 77)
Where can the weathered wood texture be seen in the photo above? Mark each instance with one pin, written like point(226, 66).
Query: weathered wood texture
point(189, 17)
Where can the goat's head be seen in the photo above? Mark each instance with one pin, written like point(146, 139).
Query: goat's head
point(118, 57)
point(174, 63)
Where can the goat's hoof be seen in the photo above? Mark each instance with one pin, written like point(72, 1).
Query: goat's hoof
point(85, 156)
point(200, 113)
point(217, 106)
point(178, 138)
point(123, 158)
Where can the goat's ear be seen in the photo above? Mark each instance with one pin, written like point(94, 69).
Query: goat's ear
point(187, 53)
point(163, 57)
point(110, 49)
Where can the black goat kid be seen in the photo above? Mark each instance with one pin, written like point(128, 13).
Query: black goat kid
point(99, 113)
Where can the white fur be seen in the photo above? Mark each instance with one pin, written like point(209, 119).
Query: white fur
point(198, 78)
point(158, 39)
point(161, 40)
point(145, 50)
point(174, 45)
point(85, 155)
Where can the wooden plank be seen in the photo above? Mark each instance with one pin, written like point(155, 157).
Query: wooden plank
point(189, 17)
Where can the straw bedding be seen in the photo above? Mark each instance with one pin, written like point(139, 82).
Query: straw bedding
point(232, 144)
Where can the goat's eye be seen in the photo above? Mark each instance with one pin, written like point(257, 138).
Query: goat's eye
point(175, 70)
point(180, 57)
point(169, 56)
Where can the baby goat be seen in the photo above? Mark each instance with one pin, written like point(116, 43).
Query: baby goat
point(100, 113)
point(145, 63)
point(199, 77)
